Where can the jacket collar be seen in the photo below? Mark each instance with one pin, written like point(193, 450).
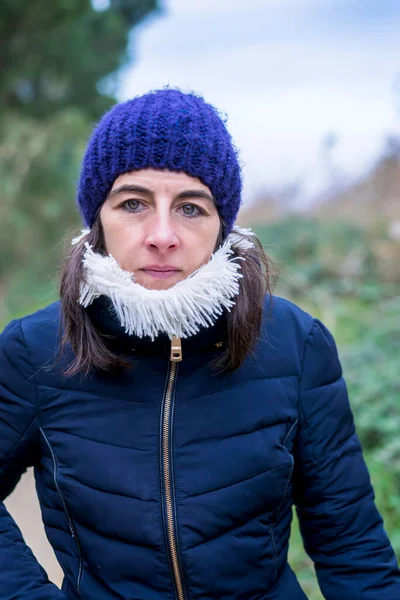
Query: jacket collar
point(102, 314)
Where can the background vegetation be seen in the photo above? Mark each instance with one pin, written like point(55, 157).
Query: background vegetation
point(339, 260)
point(59, 70)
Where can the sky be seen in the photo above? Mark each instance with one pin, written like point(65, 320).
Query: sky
point(311, 88)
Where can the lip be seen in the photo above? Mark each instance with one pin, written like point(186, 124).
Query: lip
point(160, 272)
point(159, 268)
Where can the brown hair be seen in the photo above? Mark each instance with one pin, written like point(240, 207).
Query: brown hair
point(90, 346)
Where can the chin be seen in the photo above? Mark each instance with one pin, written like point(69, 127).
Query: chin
point(161, 286)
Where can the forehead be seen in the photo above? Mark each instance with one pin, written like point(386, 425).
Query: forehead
point(160, 179)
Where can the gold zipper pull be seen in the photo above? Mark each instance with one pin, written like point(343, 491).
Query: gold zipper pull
point(176, 349)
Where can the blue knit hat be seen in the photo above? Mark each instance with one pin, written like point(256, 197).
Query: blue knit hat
point(164, 129)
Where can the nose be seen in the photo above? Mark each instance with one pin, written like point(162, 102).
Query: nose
point(161, 234)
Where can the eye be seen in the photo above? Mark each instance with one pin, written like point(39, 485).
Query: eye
point(131, 205)
point(191, 210)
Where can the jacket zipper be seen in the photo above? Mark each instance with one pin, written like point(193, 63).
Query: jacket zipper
point(66, 511)
point(176, 356)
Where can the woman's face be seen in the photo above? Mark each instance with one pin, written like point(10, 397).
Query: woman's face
point(159, 225)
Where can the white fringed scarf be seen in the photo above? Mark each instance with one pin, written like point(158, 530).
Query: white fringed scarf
point(180, 310)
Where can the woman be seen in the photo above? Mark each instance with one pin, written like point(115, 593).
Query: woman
point(173, 409)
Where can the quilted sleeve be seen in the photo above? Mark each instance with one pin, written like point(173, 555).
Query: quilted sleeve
point(341, 527)
point(21, 576)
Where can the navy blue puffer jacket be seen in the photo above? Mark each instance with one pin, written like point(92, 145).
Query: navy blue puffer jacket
point(172, 482)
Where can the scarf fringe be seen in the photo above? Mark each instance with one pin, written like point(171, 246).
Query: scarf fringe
point(181, 310)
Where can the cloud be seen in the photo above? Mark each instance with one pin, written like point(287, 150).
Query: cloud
point(211, 6)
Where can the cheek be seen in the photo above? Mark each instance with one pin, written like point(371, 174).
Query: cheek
point(120, 241)
point(203, 243)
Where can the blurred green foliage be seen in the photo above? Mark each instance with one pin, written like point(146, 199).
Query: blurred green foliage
point(58, 54)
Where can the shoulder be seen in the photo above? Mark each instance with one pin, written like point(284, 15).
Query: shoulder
point(287, 331)
point(35, 335)
point(284, 314)
point(43, 322)
point(285, 321)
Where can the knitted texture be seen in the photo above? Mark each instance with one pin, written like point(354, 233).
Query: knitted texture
point(164, 129)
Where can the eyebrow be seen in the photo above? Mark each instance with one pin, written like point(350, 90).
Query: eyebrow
point(129, 188)
point(143, 190)
point(195, 194)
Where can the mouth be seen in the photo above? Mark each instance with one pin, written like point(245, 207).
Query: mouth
point(160, 272)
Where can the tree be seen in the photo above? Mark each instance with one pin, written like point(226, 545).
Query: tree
point(55, 54)
point(55, 59)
